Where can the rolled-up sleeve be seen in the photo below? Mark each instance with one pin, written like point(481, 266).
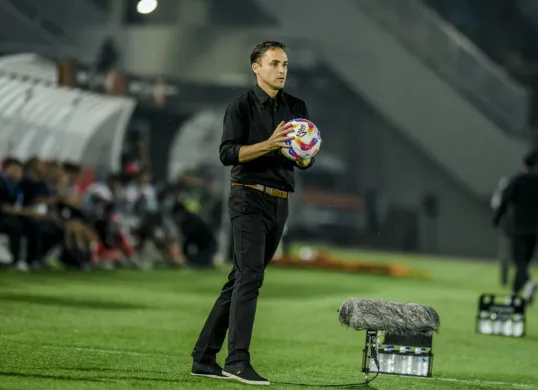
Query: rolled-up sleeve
point(306, 115)
point(234, 134)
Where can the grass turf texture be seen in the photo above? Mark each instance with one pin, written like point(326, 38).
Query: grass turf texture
point(135, 330)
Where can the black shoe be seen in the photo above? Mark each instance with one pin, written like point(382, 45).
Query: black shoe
point(243, 372)
point(208, 370)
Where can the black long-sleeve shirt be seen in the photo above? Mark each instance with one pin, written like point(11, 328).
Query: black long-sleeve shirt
point(252, 118)
point(521, 194)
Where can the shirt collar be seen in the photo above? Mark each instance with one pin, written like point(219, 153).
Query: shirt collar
point(263, 97)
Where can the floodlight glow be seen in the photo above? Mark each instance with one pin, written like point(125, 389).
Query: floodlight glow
point(146, 6)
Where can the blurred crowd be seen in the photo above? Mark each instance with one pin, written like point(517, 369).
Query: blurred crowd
point(58, 214)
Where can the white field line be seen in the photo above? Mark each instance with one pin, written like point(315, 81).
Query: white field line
point(120, 352)
point(109, 351)
point(482, 382)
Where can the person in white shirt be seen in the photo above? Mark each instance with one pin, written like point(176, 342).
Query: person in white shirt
point(100, 197)
point(100, 203)
point(140, 196)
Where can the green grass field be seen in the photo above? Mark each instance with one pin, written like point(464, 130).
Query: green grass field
point(135, 330)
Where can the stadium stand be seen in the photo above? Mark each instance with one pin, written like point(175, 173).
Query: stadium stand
point(30, 65)
point(458, 60)
point(41, 119)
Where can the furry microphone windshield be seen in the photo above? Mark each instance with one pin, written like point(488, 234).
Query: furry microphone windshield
point(393, 317)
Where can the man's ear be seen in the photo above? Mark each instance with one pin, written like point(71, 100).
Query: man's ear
point(255, 67)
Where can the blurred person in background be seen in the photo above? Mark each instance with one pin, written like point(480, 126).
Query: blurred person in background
point(504, 252)
point(179, 190)
point(192, 192)
point(521, 197)
point(52, 171)
point(80, 240)
point(139, 195)
point(157, 227)
point(69, 198)
point(197, 238)
point(134, 155)
point(38, 195)
point(153, 225)
point(16, 220)
point(211, 198)
point(100, 203)
point(108, 56)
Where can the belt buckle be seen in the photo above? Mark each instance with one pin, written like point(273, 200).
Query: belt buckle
point(269, 190)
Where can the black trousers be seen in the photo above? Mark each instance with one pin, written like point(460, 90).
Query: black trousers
point(15, 227)
point(522, 252)
point(107, 231)
point(258, 221)
point(51, 235)
point(34, 232)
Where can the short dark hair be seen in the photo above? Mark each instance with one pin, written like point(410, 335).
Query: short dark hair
point(260, 49)
point(71, 167)
point(31, 162)
point(12, 161)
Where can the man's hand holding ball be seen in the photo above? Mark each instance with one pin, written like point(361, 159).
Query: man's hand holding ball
point(303, 143)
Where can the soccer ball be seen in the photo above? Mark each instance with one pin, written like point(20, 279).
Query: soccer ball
point(306, 142)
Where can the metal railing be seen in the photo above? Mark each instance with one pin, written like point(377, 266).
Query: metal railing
point(51, 51)
point(27, 15)
point(453, 56)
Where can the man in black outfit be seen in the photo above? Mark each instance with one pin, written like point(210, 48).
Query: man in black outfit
point(521, 195)
point(254, 131)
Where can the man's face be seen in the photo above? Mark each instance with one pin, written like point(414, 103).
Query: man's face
point(14, 172)
point(272, 68)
